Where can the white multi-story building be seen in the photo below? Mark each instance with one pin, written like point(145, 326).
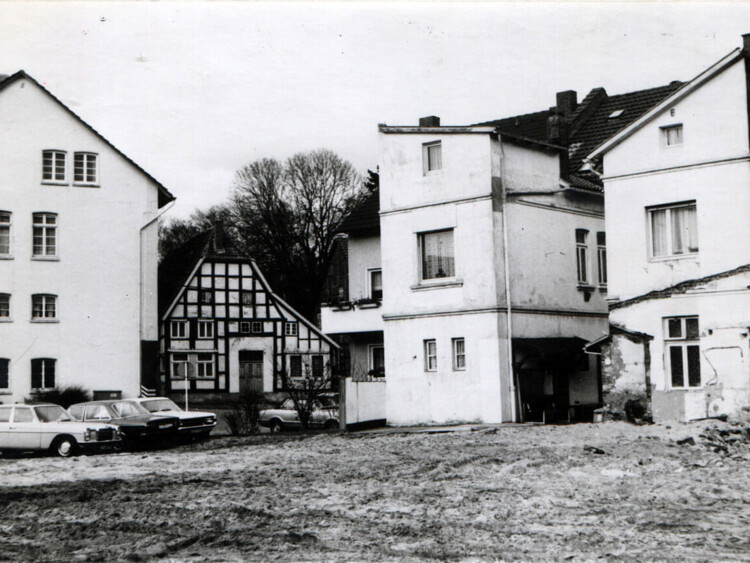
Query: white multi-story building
point(677, 184)
point(78, 252)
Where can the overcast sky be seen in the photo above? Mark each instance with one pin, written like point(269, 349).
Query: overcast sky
point(192, 91)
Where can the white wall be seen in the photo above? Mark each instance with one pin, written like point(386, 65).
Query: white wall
point(365, 401)
point(364, 254)
point(97, 278)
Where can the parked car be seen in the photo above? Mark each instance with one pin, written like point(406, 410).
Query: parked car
point(136, 424)
point(325, 414)
point(194, 424)
point(49, 427)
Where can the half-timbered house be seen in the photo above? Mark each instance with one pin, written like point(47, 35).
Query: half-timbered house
point(223, 330)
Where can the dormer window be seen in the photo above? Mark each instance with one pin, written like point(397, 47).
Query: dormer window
point(616, 113)
point(432, 156)
point(672, 135)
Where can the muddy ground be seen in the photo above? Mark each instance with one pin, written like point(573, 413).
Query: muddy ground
point(530, 493)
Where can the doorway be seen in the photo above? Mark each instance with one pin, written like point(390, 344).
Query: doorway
point(251, 371)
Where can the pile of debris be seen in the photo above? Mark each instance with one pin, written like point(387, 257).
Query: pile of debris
point(720, 440)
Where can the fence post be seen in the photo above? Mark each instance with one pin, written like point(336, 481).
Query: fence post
point(342, 402)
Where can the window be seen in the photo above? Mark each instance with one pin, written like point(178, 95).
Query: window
point(43, 306)
point(290, 329)
point(23, 414)
point(377, 360)
point(180, 367)
point(206, 296)
point(5, 414)
point(205, 329)
point(601, 253)
point(45, 234)
point(178, 329)
point(376, 284)
point(247, 297)
point(5, 233)
point(244, 327)
point(582, 256)
point(257, 327)
point(205, 365)
point(84, 168)
point(432, 156)
point(674, 230)
point(437, 255)
point(430, 355)
point(43, 373)
point(53, 166)
point(4, 373)
point(4, 306)
point(459, 354)
point(682, 341)
point(671, 135)
point(317, 366)
point(295, 366)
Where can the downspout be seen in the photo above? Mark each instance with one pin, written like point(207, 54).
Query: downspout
point(504, 201)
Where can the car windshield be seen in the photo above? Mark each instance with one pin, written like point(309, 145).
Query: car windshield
point(159, 405)
point(52, 413)
point(127, 410)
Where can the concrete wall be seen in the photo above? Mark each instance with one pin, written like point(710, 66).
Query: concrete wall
point(365, 401)
point(725, 373)
point(364, 254)
point(102, 314)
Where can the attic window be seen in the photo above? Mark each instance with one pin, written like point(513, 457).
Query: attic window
point(616, 113)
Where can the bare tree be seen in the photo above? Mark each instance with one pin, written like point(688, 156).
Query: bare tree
point(306, 392)
point(176, 232)
point(289, 215)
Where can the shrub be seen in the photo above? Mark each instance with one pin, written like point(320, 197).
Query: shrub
point(63, 396)
point(242, 418)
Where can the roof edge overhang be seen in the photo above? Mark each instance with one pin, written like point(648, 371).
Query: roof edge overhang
point(662, 106)
point(165, 196)
point(448, 129)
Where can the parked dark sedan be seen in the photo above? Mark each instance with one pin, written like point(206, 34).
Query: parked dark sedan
point(135, 423)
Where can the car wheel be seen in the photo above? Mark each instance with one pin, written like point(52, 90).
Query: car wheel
point(331, 424)
point(65, 446)
point(275, 426)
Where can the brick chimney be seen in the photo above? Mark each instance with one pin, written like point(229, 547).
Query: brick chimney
point(219, 237)
point(567, 102)
point(746, 43)
point(429, 121)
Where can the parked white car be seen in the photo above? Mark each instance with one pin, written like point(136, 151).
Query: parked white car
point(325, 414)
point(49, 427)
point(192, 423)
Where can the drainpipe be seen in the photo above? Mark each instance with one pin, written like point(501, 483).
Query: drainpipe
point(504, 201)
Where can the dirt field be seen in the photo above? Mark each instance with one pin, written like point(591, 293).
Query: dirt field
point(514, 493)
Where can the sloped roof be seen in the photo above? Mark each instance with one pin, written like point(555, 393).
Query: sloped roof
point(365, 218)
point(177, 266)
point(165, 195)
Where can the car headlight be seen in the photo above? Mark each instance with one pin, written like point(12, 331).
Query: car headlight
point(89, 435)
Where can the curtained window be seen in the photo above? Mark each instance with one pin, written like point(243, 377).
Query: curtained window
point(674, 230)
point(437, 255)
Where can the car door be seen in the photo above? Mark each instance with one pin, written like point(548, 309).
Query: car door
point(5, 414)
point(25, 431)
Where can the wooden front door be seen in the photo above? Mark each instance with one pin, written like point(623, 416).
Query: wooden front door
point(251, 371)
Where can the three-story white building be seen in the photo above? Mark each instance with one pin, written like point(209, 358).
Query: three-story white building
point(78, 252)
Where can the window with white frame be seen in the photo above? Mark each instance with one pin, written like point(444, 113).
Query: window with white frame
point(256, 327)
point(205, 330)
point(84, 168)
point(43, 306)
point(45, 234)
point(601, 253)
point(244, 327)
point(290, 329)
point(4, 306)
point(376, 283)
point(4, 373)
point(682, 342)
point(178, 329)
point(377, 360)
point(671, 135)
point(205, 365)
point(430, 355)
point(5, 233)
point(459, 354)
point(437, 256)
point(582, 258)
point(674, 230)
point(432, 156)
point(179, 366)
point(53, 166)
point(43, 373)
